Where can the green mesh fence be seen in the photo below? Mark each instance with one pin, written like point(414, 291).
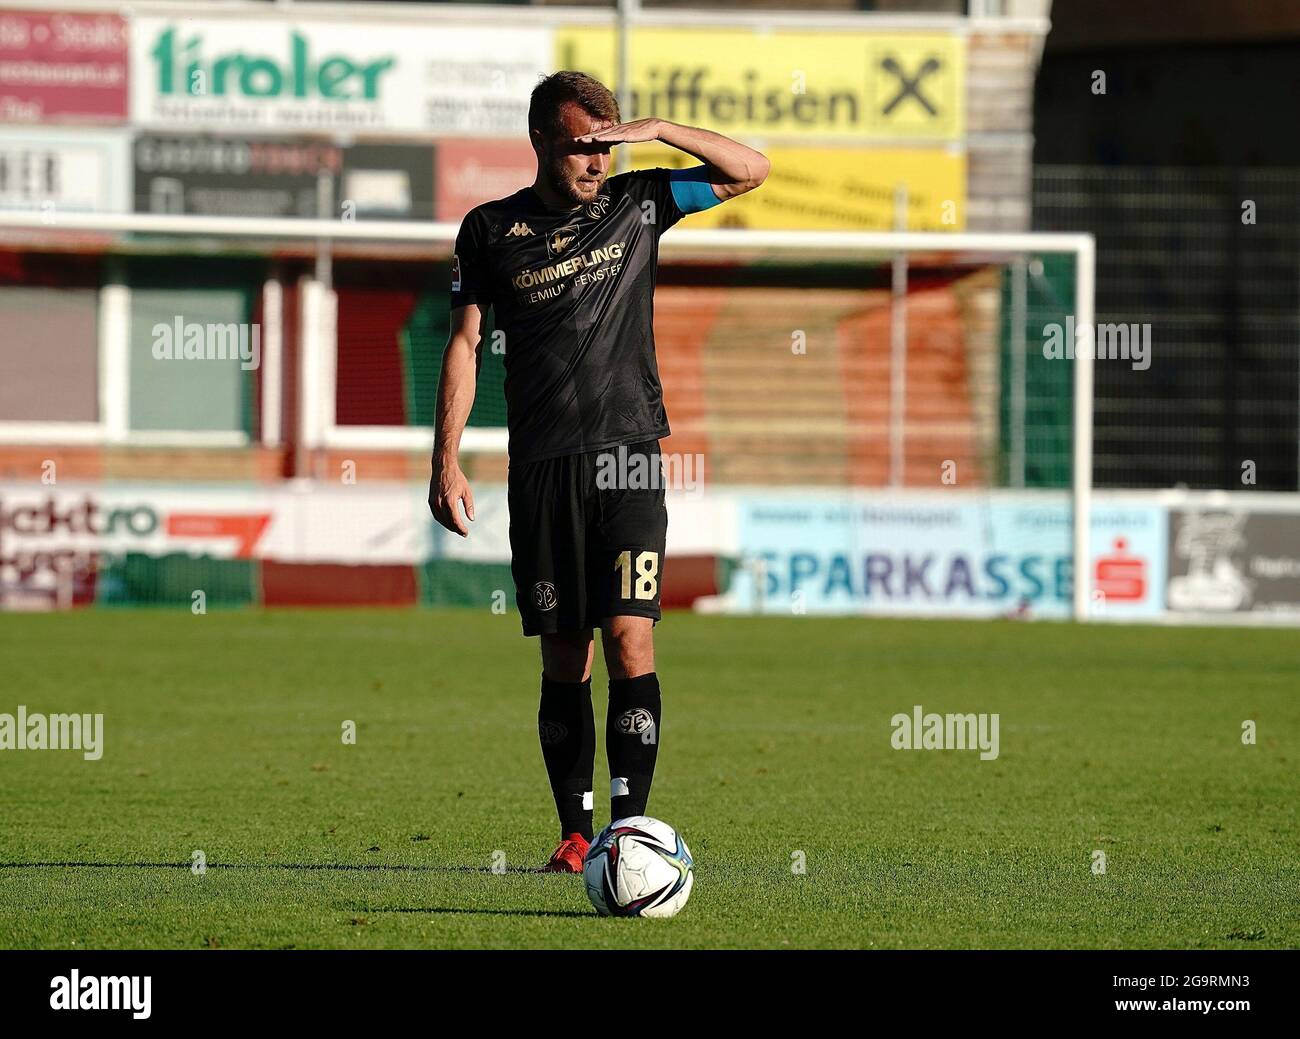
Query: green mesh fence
point(424, 339)
point(1036, 398)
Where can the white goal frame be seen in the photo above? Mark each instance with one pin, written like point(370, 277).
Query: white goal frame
point(320, 430)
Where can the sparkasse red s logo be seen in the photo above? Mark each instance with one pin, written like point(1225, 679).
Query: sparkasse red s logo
point(1121, 577)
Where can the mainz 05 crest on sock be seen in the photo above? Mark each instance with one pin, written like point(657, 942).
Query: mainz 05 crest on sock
point(632, 742)
point(566, 728)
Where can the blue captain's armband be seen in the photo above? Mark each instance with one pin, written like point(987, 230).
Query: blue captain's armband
point(691, 189)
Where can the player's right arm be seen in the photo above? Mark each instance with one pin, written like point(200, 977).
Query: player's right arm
point(471, 296)
point(448, 487)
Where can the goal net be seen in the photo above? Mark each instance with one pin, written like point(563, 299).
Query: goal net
point(854, 369)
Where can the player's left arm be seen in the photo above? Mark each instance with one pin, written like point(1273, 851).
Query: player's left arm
point(732, 168)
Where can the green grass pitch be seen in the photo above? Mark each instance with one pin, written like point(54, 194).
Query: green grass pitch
point(223, 735)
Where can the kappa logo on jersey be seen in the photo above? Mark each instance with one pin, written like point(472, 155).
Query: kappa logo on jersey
point(561, 238)
point(635, 721)
point(519, 230)
point(598, 208)
point(544, 596)
point(455, 273)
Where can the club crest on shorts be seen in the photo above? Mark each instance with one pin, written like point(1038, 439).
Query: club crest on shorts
point(544, 596)
point(635, 721)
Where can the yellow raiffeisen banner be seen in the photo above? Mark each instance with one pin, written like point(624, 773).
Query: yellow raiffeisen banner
point(860, 86)
point(838, 189)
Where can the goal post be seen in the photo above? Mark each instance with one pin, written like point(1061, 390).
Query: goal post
point(308, 301)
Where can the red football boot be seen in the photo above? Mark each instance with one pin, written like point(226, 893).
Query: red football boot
point(569, 855)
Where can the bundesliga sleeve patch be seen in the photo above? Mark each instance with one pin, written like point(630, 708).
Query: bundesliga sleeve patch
point(691, 189)
point(455, 273)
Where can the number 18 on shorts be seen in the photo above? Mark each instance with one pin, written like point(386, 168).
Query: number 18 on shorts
point(584, 548)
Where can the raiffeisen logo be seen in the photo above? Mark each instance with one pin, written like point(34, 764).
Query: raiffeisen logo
point(184, 68)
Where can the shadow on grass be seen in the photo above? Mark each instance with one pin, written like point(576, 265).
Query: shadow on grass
point(478, 912)
point(373, 867)
point(365, 866)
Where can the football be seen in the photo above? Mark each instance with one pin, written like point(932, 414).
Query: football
point(638, 867)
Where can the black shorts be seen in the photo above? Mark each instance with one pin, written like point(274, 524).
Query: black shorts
point(587, 536)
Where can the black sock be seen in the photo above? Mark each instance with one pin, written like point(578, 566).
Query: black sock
point(632, 742)
point(567, 730)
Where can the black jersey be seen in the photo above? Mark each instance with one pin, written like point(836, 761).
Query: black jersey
point(573, 292)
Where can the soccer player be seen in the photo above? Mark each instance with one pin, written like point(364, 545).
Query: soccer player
point(569, 265)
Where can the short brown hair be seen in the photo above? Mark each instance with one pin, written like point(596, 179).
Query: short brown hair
point(554, 90)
